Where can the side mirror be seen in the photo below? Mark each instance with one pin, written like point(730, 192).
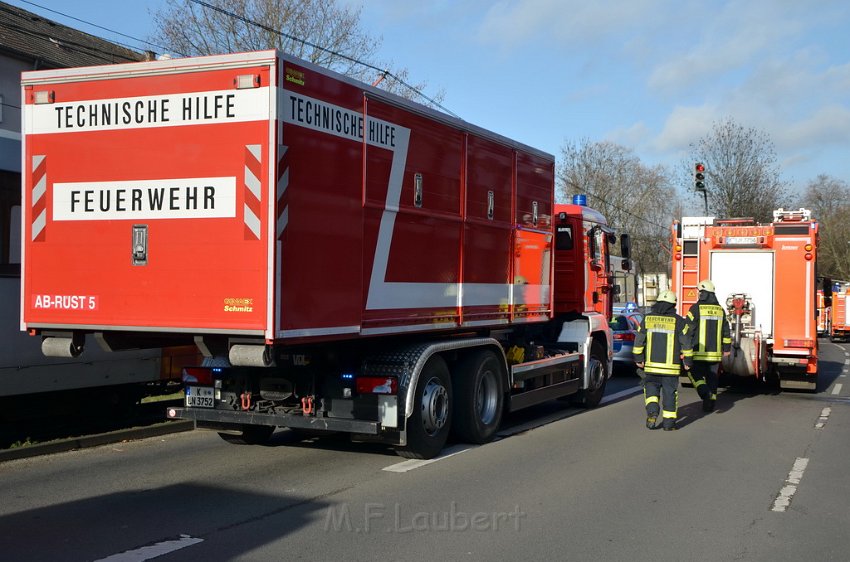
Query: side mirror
point(625, 246)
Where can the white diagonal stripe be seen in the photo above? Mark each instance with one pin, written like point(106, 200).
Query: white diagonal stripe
point(282, 221)
point(252, 221)
point(39, 189)
point(256, 150)
point(37, 160)
point(39, 223)
point(252, 182)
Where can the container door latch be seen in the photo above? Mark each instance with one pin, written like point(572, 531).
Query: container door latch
point(140, 244)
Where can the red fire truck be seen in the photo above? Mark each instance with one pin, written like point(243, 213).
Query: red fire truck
point(765, 276)
point(824, 313)
point(839, 327)
point(347, 259)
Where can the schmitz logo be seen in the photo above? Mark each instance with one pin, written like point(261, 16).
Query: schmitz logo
point(145, 199)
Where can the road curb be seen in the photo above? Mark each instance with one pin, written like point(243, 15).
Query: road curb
point(96, 440)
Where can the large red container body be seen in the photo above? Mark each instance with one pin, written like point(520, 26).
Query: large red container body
point(256, 195)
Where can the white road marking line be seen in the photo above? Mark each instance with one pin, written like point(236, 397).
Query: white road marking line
point(557, 416)
point(618, 395)
point(837, 388)
point(412, 464)
point(152, 551)
point(847, 361)
point(783, 500)
point(824, 417)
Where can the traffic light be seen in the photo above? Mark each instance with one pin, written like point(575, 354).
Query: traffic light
point(699, 176)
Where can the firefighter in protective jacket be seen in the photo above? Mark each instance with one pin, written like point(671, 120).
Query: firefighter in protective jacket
point(662, 347)
point(712, 341)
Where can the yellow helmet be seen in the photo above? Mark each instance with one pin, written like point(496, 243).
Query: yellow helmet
point(667, 296)
point(706, 285)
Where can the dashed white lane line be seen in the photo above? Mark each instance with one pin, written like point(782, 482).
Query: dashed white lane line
point(837, 388)
point(783, 500)
point(824, 417)
point(152, 551)
point(407, 466)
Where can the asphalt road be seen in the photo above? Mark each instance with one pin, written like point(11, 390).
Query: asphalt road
point(762, 478)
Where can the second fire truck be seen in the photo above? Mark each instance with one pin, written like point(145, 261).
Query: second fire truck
point(765, 275)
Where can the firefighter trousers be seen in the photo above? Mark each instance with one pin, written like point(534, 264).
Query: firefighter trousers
point(704, 376)
point(661, 392)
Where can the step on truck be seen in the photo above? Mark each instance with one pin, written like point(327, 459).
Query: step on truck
point(345, 259)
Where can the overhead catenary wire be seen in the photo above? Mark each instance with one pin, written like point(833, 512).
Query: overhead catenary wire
point(626, 211)
point(382, 71)
point(143, 41)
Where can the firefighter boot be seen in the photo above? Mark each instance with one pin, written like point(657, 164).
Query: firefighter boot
point(669, 424)
point(651, 421)
point(708, 403)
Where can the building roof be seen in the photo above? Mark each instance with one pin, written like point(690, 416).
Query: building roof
point(28, 36)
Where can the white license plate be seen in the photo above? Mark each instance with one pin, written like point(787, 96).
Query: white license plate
point(200, 397)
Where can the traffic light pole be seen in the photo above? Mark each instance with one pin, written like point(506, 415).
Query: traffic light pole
point(699, 183)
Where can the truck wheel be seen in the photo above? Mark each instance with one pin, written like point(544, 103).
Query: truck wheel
point(429, 424)
point(251, 435)
point(591, 397)
point(479, 398)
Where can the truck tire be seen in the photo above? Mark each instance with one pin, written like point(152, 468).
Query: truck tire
point(479, 397)
point(429, 424)
point(591, 397)
point(251, 435)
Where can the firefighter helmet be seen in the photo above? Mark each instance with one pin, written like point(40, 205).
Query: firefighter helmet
point(706, 285)
point(667, 296)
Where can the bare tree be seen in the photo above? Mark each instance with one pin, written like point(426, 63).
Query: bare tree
point(829, 200)
point(320, 31)
point(636, 199)
point(742, 175)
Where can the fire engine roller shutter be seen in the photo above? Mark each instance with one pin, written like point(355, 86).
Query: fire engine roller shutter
point(726, 271)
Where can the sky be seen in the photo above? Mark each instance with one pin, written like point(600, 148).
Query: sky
point(654, 76)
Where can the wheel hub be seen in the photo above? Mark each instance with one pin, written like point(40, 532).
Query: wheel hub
point(435, 406)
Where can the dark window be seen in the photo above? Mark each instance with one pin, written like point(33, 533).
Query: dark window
point(620, 324)
point(564, 237)
point(690, 247)
point(791, 229)
point(10, 224)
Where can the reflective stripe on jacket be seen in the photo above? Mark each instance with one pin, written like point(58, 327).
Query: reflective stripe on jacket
point(710, 330)
point(662, 343)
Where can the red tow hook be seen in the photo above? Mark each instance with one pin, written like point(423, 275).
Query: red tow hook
point(307, 405)
point(246, 400)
